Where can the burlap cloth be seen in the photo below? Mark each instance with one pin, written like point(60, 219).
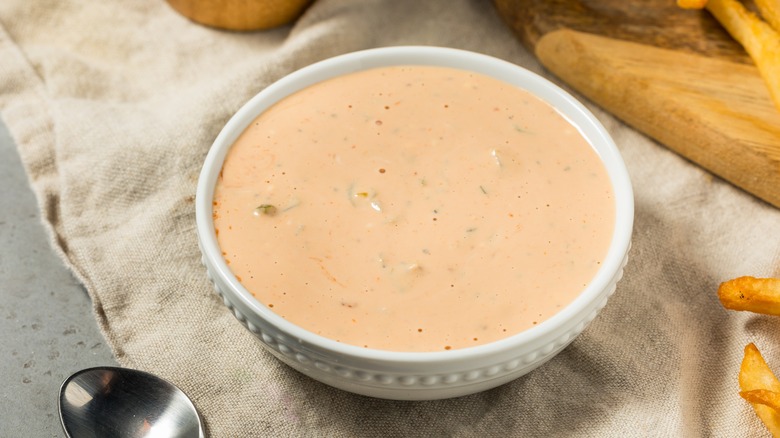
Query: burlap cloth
point(114, 104)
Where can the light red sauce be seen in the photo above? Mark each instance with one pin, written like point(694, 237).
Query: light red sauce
point(413, 209)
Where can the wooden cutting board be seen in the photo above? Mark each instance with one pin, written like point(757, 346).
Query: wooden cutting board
point(673, 74)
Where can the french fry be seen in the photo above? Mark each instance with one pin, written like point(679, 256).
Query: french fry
point(754, 374)
point(763, 397)
point(770, 10)
point(760, 295)
point(692, 4)
point(759, 39)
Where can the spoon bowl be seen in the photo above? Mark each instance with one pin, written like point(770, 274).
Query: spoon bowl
point(112, 401)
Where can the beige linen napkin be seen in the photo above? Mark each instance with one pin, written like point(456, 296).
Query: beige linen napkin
point(114, 104)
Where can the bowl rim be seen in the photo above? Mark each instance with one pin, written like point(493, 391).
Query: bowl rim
point(554, 95)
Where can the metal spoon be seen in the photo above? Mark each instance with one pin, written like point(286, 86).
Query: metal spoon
point(113, 402)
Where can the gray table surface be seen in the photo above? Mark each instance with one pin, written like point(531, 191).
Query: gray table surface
point(46, 323)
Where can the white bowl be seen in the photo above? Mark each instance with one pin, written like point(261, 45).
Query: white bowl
point(427, 375)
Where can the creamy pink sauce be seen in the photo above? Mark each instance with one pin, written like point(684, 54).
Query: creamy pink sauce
point(413, 209)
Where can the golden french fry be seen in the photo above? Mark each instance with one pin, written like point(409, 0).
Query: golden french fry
point(692, 4)
point(754, 374)
point(770, 10)
point(760, 295)
point(763, 397)
point(759, 39)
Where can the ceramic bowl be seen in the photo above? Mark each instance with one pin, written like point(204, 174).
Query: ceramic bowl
point(426, 375)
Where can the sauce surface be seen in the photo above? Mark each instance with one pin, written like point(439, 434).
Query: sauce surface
point(413, 209)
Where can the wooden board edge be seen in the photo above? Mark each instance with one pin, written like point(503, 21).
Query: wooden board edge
point(681, 100)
